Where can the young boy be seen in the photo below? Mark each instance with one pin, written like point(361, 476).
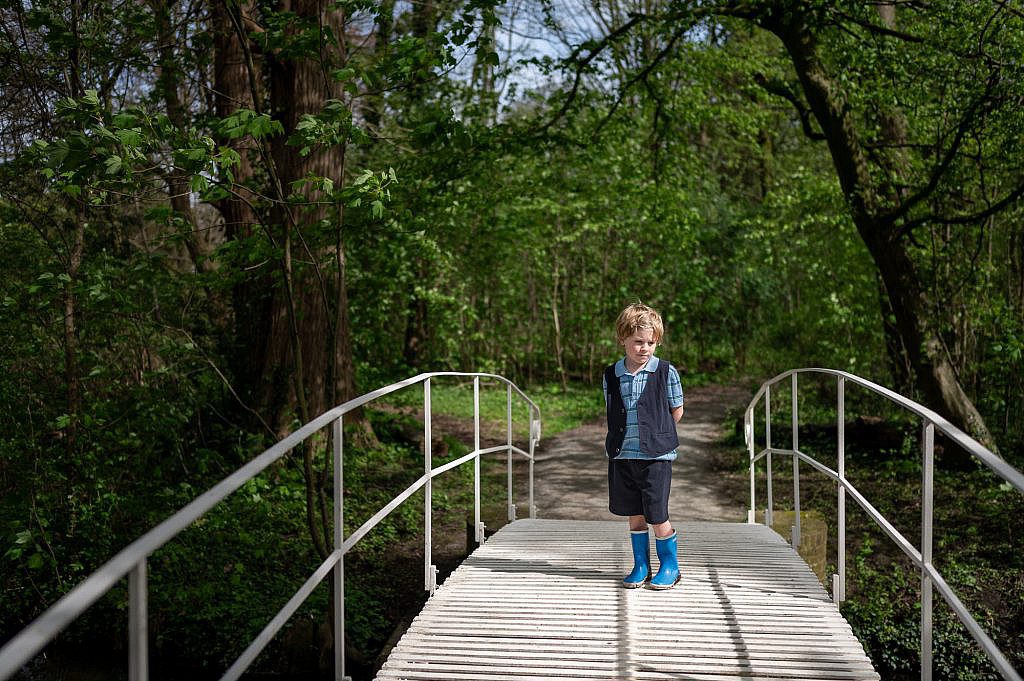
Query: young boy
point(644, 401)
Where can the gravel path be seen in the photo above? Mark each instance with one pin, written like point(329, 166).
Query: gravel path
point(572, 471)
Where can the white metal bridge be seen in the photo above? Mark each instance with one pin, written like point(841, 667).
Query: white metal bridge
point(543, 599)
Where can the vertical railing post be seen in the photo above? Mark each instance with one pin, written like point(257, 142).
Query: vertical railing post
point(795, 535)
point(769, 511)
point(534, 436)
point(748, 426)
point(839, 580)
point(337, 433)
point(429, 571)
point(927, 481)
point(476, 461)
point(508, 458)
point(138, 624)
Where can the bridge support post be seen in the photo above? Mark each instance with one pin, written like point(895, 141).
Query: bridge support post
point(839, 586)
point(927, 501)
point(338, 597)
point(508, 453)
point(769, 520)
point(748, 428)
point(478, 526)
point(138, 627)
point(428, 489)
point(534, 437)
point(795, 536)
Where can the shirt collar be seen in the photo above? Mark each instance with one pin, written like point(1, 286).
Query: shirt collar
point(650, 367)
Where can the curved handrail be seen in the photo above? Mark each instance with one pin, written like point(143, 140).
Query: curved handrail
point(922, 559)
point(131, 560)
point(969, 444)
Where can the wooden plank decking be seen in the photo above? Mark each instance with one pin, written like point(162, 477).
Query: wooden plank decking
point(542, 599)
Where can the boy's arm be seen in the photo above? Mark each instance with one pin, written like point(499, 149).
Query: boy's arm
point(674, 393)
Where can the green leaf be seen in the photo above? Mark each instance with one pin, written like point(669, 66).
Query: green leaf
point(113, 165)
point(129, 138)
point(341, 75)
point(215, 192)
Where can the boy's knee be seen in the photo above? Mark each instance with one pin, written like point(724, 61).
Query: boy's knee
point(637, 523)
point(662, 530)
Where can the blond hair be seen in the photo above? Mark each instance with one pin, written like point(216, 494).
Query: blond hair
point(638, 316)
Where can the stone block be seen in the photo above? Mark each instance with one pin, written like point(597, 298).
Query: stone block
point(813, 538)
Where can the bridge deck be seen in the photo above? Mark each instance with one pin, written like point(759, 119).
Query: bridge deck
point(542, 599)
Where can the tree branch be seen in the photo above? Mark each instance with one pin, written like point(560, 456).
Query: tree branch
point(880, 30)
point(581, 66)
point(777, 87)
point(646, 71)
point(993, 209)
point(939, 170)
point(746, 9)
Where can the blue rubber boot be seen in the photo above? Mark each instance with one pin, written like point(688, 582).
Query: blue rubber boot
point(641, 560)
point(668, 571)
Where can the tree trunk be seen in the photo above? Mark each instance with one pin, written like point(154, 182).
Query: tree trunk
point(303, 329)
point(374, 104)
point(250, 295)
point(558, 331)
point(168, 85)
point(71, 369)
point(933, 370)
point(899, 365)
point(415, 331)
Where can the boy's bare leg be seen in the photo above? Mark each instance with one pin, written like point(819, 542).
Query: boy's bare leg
point(661, 530)
point(637, 523)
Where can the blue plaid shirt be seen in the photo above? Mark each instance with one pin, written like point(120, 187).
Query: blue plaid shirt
point(631, 386)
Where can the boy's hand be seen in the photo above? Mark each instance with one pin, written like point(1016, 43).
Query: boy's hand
point(677, 413)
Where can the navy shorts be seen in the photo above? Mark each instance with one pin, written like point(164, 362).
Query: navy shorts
point(639, 487)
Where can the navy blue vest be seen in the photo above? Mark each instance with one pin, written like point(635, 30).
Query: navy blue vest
point(657, 427)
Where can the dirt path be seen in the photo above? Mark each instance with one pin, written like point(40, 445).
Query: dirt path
point(571, 469)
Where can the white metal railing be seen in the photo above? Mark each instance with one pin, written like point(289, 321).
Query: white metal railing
point(930, 576)
point(131, 562)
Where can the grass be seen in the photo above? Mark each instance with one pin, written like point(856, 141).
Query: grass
point(560, 410)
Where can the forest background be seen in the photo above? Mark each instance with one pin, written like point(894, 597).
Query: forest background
point(222, 217)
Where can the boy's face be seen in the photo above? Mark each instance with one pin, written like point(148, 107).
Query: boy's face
point(639, 348)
